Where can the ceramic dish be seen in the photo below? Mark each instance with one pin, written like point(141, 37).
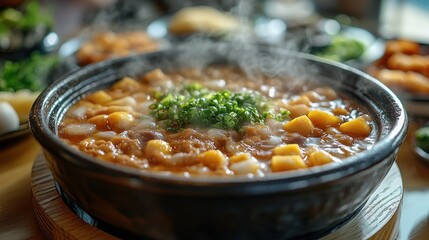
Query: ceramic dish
point(300, 204)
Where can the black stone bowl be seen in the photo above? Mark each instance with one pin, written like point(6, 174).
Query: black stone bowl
point(298, 204)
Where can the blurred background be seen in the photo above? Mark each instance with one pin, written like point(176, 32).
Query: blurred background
point(40, 40)
point(385, 18)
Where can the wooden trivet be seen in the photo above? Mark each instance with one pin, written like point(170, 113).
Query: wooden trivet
point(378, 219)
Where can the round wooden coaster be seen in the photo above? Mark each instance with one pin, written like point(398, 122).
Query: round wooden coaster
point(378, 219)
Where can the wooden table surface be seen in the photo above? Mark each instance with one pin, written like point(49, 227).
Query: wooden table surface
point(17, 218)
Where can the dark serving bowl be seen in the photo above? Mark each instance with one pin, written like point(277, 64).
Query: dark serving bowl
point(299, 204)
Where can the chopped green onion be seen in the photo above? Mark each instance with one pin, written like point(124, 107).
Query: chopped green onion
point(195, 105)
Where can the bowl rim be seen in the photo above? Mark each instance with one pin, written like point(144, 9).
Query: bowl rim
point(295, 179)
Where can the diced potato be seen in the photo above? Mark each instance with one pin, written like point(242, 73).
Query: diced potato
point(112, 109)
point(157, 145)
point(357, 126)
point(288, 149)
point(301, 125)
point(340, 111)
point(318, 158)
point(100, 120)
point(286, 163)
point(297, 110)
point(213, 159)
point(239, 158)
point(327, 92)
point(344, 139)
point(245, 167)
point(99, 97)
point(322, 119)
point(154, 76)
point(125, 101)
point(301, 100)
point(126, 84)
point(312, 96)
point(120, 120)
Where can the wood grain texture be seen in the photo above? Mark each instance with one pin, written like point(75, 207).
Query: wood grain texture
point(55, 219)
point(377, 220)
point(16, 212)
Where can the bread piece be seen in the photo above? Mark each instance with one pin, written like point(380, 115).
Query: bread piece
point(202, 20)
point(21, 101)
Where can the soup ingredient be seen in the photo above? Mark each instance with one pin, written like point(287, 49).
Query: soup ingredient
point(422, 138)
point(287, 163)
point(301, 125)
point(199, 106)
point(323, 119)
point(318, 158)
point(357, 126)
point(288, 149)
point(178, 122)
point(202, 20)
point(9, 120)
point(342, 48)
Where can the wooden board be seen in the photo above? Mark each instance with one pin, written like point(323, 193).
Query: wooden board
point(378, 219)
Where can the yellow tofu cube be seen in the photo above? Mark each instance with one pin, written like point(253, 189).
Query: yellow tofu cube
point(357, 126)
point(297, 110)
point(302, 125)
point(288, 149)
point(213, 159)
point(286, 163)
point(323, 119)
point(99, 120)
point(239, 157)
point(99, 97)
point(340, 111)
point(318, 158)
point(126, 84)
point(120, 120)
point(301, 100)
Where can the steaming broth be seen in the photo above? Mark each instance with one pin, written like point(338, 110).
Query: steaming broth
point(143, 123)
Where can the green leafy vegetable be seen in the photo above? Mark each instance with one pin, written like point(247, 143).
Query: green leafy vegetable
point(218, 109)
point(29, 18)
point(29, 74)
point(422, 138)
point(342, 49)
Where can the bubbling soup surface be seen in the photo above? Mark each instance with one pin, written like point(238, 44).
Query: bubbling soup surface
point(217, 121)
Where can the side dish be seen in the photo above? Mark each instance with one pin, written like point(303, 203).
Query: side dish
point(404, 67)
point(24, 27)
point(21, 81)
point(9, 120)
point(201, 19)
point(217, 121)
point(341, 48)
point(107, 45)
